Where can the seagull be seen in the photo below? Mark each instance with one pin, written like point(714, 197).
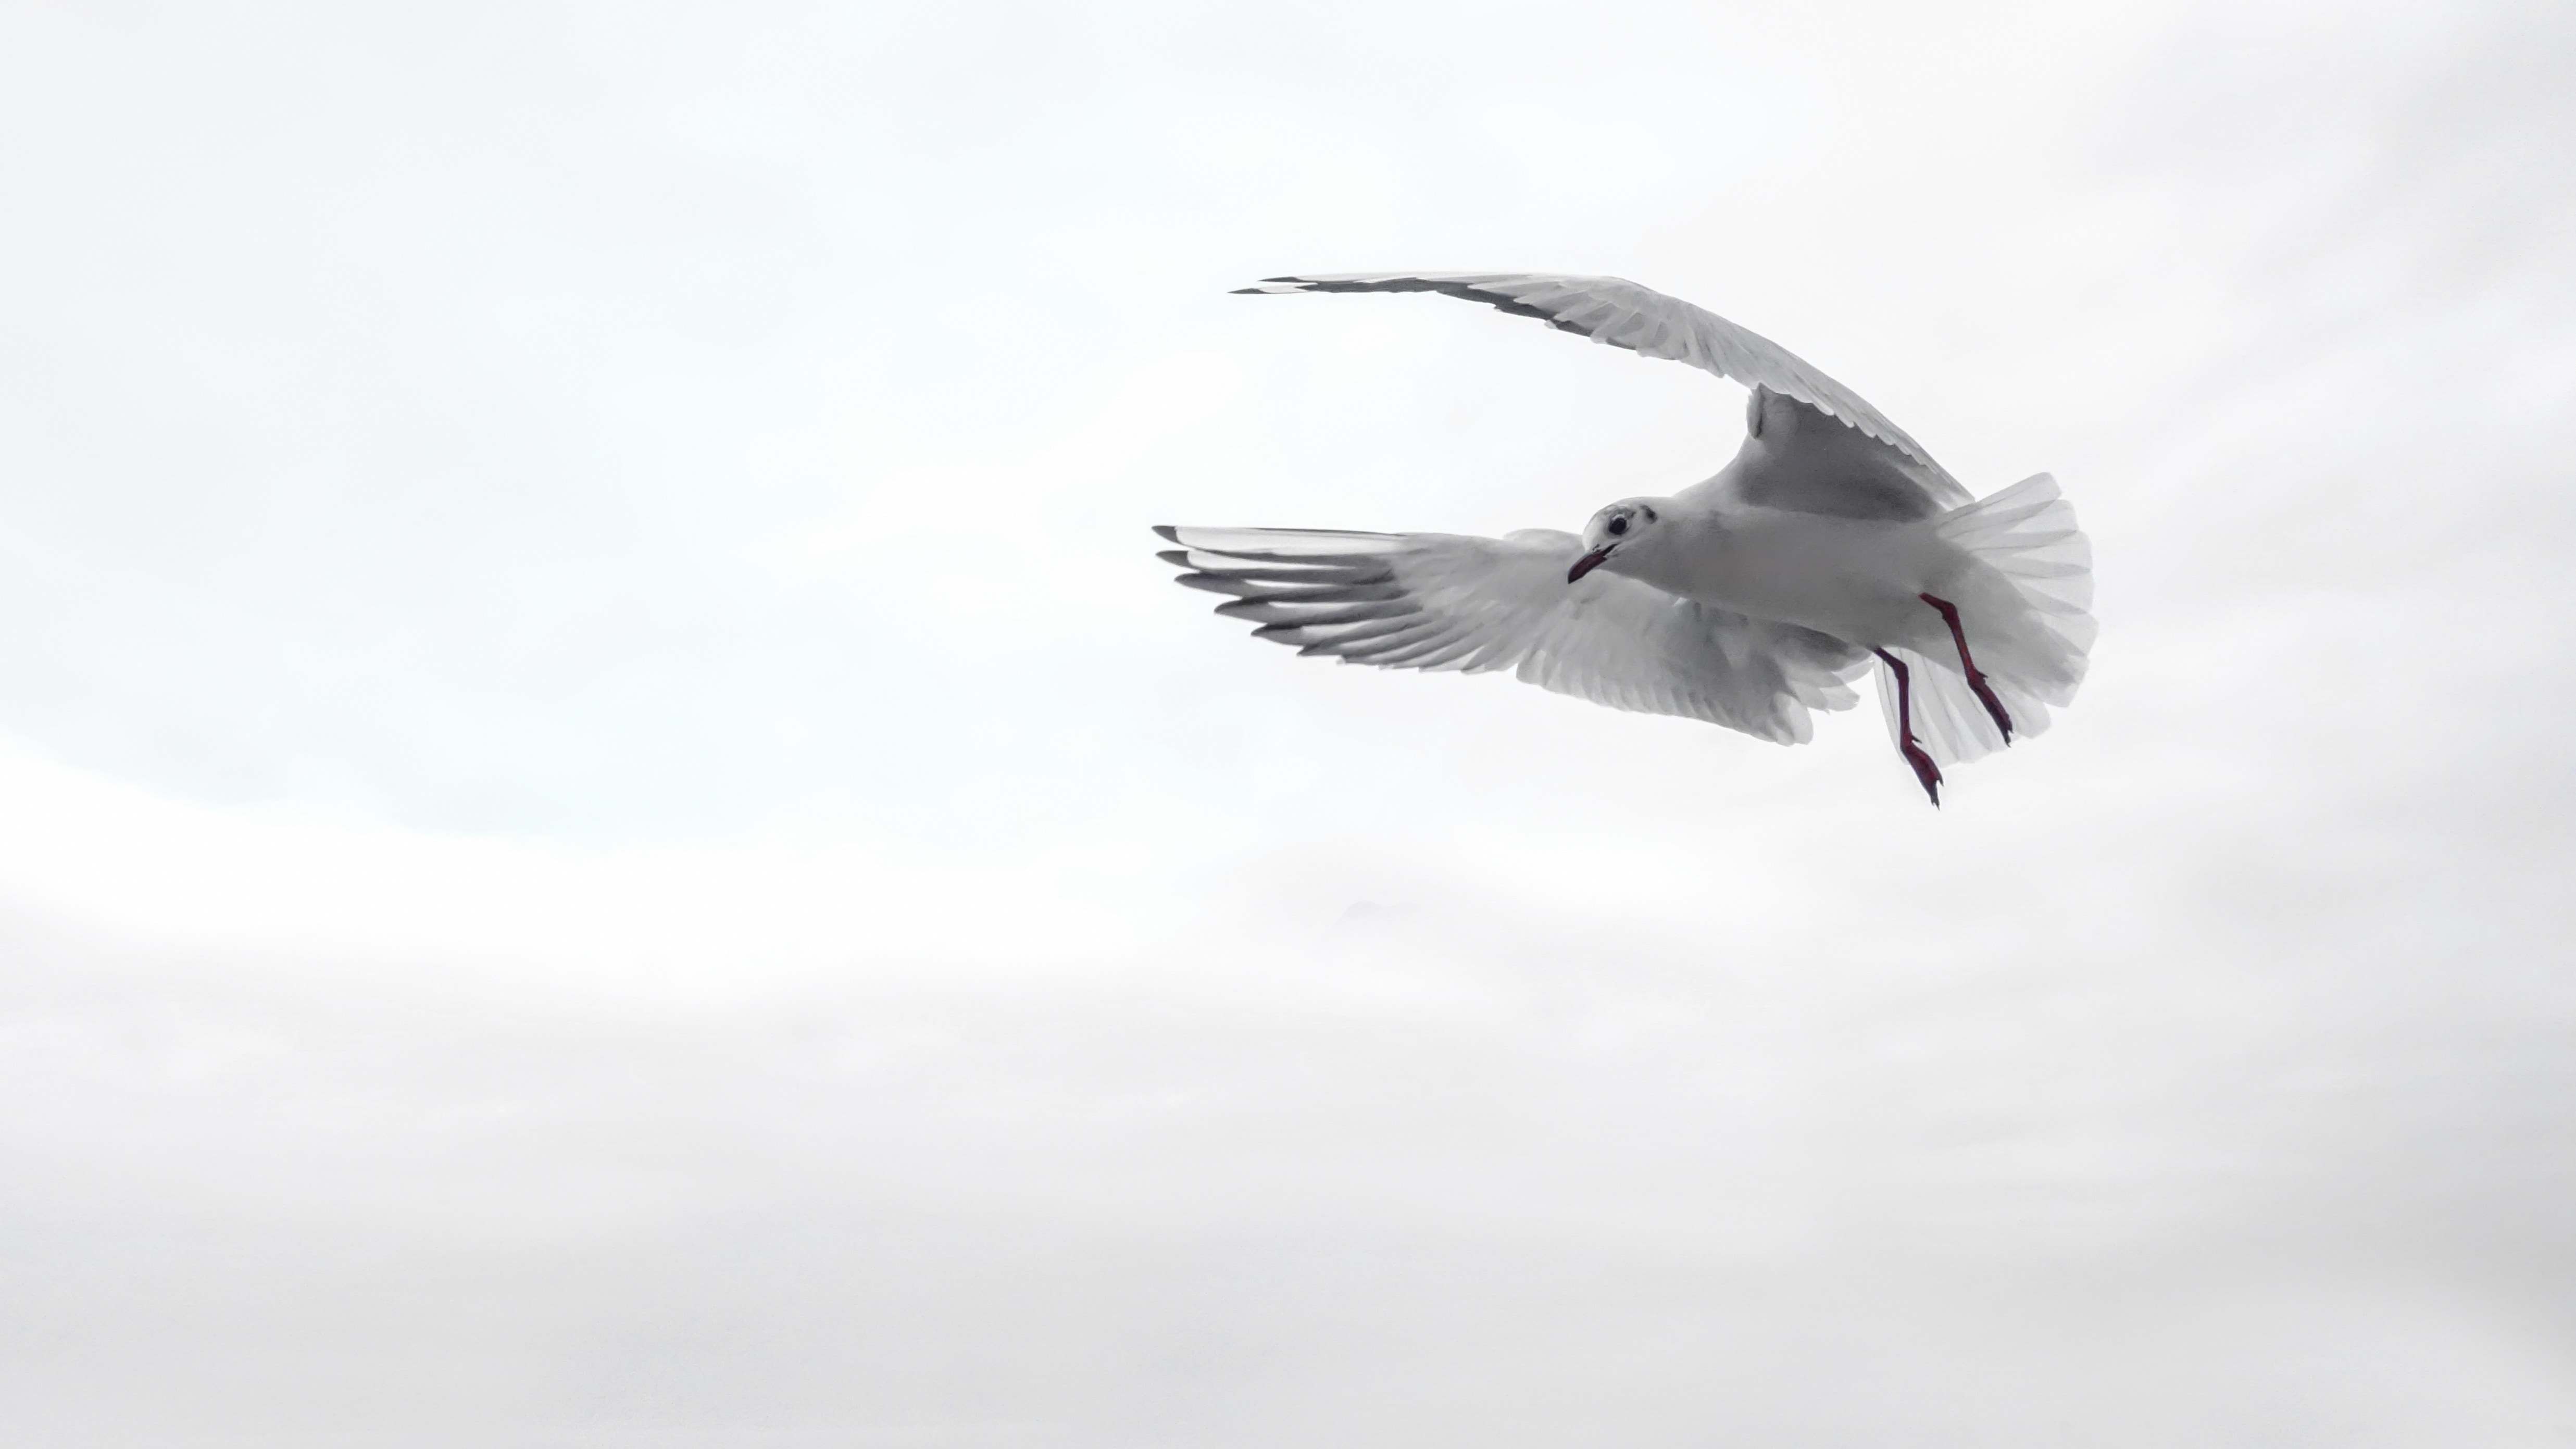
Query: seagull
point(1831, 543)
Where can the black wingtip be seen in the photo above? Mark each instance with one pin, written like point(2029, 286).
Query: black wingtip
point(1247, 292)
point(1169, 532)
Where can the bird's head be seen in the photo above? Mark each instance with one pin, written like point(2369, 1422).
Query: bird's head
point(1618, 529)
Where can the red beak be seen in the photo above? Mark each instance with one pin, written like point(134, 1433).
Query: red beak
point(1587, 563)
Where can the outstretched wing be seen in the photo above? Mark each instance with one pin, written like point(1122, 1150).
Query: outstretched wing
point(1446, 601)
point(1645, 321)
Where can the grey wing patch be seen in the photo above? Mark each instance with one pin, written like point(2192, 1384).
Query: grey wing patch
point(1806, 462)
point(1873, 499)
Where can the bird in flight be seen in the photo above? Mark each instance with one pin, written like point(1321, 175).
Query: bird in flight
point(1832, 541)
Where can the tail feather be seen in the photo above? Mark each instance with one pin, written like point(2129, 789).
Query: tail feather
point(2030, 623)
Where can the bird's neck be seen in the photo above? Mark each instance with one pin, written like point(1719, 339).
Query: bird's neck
point(1661, 558)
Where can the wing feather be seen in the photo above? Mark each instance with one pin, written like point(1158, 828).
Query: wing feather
point(1449, 602)
point(1621, 313)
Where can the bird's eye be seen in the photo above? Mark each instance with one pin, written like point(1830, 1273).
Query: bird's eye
point(1618, 526)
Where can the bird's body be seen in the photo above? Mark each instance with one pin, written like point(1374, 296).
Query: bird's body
point(1852, 578)
point(1747, 599)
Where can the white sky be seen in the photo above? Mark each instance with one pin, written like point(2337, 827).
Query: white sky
point(613, 837)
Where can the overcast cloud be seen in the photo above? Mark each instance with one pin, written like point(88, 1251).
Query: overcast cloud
point(610, 835)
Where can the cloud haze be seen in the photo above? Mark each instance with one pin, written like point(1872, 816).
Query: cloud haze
point(615, 839)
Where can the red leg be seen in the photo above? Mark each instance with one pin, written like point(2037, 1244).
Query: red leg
point(1976, 679)
point(1906, 745)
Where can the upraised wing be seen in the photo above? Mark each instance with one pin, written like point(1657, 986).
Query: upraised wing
point(1447, 601)
point(1646, 322)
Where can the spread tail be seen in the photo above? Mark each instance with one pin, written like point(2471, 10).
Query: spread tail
point(2026, 601)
